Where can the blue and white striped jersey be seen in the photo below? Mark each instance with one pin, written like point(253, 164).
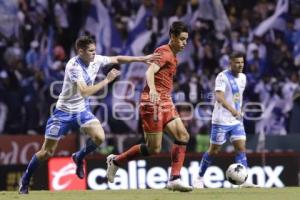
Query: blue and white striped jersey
point(70, 100)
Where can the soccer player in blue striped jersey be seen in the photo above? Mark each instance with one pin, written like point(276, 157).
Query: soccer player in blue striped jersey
point(72, 108)
point(227, 116)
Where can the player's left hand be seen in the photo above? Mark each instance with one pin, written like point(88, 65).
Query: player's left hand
point(151, 58)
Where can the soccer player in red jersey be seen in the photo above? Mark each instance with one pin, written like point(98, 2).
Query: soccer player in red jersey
point(158, 112)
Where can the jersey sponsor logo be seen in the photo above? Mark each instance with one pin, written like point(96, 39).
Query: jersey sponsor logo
point(61, 174)
point(236, 98)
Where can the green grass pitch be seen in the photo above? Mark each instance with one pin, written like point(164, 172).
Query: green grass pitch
point(288, 193)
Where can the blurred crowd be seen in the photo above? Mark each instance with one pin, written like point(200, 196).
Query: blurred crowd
point(34, 53)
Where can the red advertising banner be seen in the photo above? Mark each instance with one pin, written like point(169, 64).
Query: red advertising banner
point(61, 175)
point(18, 149)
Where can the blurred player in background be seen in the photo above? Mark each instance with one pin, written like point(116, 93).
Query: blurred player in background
point(227, 117)
point(158, 113)
point(72, 108)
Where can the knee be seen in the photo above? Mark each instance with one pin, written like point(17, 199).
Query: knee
point(154, 150)
point(213, 151)
point(240, 150)
point(98, 139)
point(184, 137)
point(44, 154)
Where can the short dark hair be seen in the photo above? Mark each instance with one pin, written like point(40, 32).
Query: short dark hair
point(177, 27)
point(235, 55)
point(84, 41)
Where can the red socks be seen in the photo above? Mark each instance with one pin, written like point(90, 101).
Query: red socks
point(177, 158)
point(128, 155)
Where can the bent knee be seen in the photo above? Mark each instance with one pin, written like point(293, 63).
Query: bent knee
point(44, 154)
point(98, 139)
point(184, 137)
point(154, 150)
point(213, 150)
point(240, 150)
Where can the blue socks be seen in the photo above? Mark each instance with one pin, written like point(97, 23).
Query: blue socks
point(32, 166)
point(89, 147)
point(34, 162)
point(205, 163)
point(241, 158)
point(207, 160)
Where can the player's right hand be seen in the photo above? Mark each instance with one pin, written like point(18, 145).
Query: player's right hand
point(237, 115)
point(112, 75)
point(154, 96)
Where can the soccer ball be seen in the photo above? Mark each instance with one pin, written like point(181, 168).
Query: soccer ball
point(236, 174)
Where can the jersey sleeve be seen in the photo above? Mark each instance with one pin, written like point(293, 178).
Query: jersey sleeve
point(75, 73)
point(164, 57)
point(102, 60)
point(220, 84)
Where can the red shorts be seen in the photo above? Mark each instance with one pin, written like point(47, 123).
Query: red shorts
point(156, 117)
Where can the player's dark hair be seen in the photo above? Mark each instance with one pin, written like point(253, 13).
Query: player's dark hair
point(177, 28)
point(235, 55)
point(83, 42)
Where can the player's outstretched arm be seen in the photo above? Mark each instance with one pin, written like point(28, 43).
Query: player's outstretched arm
point(221, 99)
point(127, 59)
point(154, 96)
point(86, 90)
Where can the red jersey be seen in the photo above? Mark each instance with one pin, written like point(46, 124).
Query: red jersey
point(164, 77)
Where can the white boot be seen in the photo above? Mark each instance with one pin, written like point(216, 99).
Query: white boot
point(111, 168)
point(248, 184)
point(198, 183)
point(178, 185)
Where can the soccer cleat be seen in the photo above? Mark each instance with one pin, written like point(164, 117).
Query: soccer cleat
point(198, 183)
point(178, 185)
point(111, 168)
point(249, 185)
point(79, 166)
point(23, 187)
